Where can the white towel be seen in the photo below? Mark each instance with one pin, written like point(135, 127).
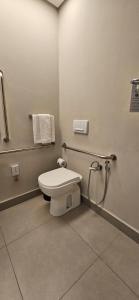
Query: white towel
point(53, 128)
point(2, 127)
point(43, 128)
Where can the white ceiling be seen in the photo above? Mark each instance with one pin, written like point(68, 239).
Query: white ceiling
point(57, 3)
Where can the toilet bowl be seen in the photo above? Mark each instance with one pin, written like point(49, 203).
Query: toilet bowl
point(62, 185)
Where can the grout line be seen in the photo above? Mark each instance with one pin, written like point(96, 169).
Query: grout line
point(101, 258)
point(98, 257)
point(50, 219)
point(28, 232)
point(87, 243)
point(95, 261)
point(117, 275)
point(109, 245)
point(12, 267)
point(91, 247)
point(89, 267)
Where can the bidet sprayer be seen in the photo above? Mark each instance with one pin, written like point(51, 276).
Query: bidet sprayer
point(107, 165)
point(95, 166)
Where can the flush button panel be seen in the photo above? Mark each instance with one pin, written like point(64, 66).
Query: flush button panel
point(134, 106)
point(81, 126)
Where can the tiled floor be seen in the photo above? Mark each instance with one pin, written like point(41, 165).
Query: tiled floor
point(79, 256)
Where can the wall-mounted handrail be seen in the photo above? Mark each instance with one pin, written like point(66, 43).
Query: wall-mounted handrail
point(25, 149)
point(135, 81)
point(111, 156)
point(6, 138)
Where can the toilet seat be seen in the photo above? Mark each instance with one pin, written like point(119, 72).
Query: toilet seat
point(59, 177)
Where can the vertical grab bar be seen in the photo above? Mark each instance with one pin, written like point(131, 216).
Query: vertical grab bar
point(6, 138)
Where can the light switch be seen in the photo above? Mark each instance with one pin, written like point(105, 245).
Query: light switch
point(81, 126)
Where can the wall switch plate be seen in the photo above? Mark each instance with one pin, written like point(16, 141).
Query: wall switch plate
point(15, 170)
point(81, 126)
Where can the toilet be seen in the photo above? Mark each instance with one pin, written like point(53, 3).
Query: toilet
point(62, 185)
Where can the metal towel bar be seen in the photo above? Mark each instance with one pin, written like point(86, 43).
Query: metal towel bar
point(6, 138)
point(111, 156)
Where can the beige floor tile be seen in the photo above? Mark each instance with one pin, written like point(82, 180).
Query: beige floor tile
point(78, 214)
point(123, 258)
point(99, 283)
point(1, 240)
point(8, 285)
point(19, 219)
point(49, 260)
point(97, 232)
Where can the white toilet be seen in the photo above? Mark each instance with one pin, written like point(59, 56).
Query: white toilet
point(62, 186)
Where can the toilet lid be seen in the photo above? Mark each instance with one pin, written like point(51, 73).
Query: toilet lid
point(59, 177)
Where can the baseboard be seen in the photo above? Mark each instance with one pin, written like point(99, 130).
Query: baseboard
point(114, 220)
point(19, 199)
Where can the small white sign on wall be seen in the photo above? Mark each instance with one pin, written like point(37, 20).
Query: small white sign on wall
point(81, 126)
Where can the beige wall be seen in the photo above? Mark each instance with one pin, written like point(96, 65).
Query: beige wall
point(99, 55)
point(29, 59)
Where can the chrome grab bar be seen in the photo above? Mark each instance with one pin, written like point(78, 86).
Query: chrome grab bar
point(111, 156)
point(25, 149)
point(135, 81)
point(6, 138)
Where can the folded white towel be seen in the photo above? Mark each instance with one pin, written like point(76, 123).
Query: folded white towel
point(36, 129)
point(43, 128)
point(2, 125)
point(53, 128)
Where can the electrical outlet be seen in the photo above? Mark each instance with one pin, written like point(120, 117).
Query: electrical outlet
point(15, 170)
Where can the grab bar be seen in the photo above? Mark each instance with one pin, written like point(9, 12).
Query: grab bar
point(25, 149)
point(111, 156)
point(6, 138)
point(135, 81)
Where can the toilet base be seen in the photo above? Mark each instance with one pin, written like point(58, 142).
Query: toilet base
point(46, 197)
point(66, 202)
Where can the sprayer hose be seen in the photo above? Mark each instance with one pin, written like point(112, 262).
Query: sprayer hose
point(105, 186)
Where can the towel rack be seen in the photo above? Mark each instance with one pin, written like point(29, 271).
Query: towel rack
point(6, 138)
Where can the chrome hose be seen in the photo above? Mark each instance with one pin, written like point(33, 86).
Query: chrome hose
point(99, 168)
